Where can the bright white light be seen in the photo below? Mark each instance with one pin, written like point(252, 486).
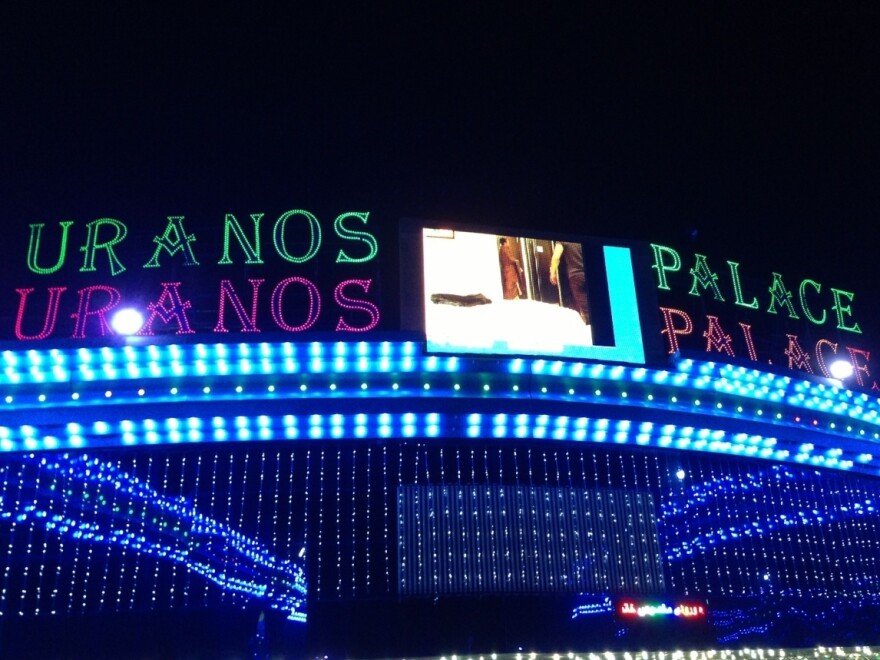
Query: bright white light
point(841, 369)
point(681, 475)
point(127, 321)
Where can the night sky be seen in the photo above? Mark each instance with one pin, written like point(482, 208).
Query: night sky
point(745, 130)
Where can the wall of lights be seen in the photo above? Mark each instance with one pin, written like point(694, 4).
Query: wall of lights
point(273, 474)
point(275, 524)
point(91, 534)
point(488, 538)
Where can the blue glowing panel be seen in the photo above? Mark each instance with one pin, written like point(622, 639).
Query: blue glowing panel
point(241, 525)
point(490, 539)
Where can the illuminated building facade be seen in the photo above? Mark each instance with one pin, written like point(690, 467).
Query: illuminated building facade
point(455, 496)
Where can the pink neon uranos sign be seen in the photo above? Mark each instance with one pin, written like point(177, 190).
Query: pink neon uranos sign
point(318, 283)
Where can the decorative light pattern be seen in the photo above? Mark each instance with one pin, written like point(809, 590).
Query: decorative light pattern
point(169, 527)
point(752, 412)
point(116, 523)
point(275, 454)
point(458, 539)
point(747, 519)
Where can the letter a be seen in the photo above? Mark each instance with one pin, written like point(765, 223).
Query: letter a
point(174, 240)
point(169, 307)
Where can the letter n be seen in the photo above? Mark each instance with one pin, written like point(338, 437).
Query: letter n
point(248, 323)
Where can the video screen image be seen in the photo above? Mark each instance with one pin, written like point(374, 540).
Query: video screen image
point(503, 294)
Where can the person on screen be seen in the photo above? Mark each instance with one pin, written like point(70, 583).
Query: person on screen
point(511, 271)
point(572, 256)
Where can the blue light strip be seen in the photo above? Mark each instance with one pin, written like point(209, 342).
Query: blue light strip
point(136, 395)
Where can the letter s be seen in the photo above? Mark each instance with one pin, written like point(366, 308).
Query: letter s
point(362, 305)
point(352, 235)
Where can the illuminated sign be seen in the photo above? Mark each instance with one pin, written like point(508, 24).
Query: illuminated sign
point(254, 275)
point(802, 324)
point(635, 609)
point(470, 290)
point(496, 293)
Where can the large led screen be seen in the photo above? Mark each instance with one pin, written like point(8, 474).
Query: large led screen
point(520, 295)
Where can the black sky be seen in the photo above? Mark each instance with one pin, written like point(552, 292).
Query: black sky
point(746, 129)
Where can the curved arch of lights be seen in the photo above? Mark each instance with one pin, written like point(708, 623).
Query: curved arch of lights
point(131, 395)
